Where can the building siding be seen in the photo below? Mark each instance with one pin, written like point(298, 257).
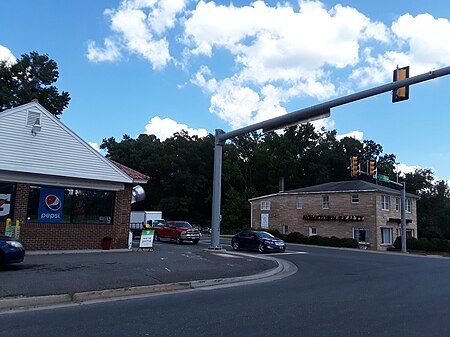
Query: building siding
point(55, 150)
point(283, 212)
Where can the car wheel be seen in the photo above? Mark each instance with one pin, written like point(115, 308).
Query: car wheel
point(195, 241)
point(178, 240)
point(261, 248)
point(235, 245)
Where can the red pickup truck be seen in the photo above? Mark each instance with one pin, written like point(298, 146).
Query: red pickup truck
point(178, 231)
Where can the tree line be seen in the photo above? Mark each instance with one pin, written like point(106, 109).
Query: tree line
point(181, 170)
point(181, 167)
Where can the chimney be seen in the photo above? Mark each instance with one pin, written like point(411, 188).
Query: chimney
point(281, 184)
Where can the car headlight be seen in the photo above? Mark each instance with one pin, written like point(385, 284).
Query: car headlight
point(16, 244)
point(183, 232)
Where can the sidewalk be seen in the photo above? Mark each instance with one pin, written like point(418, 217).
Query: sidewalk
point(74, 275)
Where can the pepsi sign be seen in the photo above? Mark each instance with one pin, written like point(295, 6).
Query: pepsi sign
point(6, 200)
point(51, 202)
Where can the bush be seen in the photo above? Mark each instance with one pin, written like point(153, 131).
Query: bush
point(318, 240)
point(428, 245)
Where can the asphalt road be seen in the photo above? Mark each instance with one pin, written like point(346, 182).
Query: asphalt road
point(334, 293)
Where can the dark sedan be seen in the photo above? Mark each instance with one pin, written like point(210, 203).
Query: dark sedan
point(11, 250)
point(261, 241)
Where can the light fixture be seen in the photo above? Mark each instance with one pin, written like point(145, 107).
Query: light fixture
point(36, 127)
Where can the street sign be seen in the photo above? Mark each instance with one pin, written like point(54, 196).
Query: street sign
point(381, 177)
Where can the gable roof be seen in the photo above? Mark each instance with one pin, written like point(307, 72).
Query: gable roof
point(137, 177)
point(53, 151)
point(341, 187)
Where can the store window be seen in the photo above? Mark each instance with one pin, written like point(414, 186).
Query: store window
point(385, 201)
point(325, 202)
point(78, 206)
point(386, 236)
point(7, 193)
point(361, 234)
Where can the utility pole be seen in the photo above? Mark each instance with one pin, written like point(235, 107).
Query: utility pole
point(308, 114)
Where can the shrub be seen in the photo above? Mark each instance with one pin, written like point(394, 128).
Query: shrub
point(296, 237)
point(318, 240)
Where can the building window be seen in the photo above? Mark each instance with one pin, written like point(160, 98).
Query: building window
point(325, 202)
point(265, 205)
point(409, 233)
point(299, 203)
point(397, 204)
point(355, 198)
point(285, 229)
point(408, 205)
point(385, 200)
point(312, 231)
point(265, 221)
point(361, 234)
point(386, 236)
point(78, 206)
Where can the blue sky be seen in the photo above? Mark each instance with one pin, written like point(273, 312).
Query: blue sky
point(147, 66)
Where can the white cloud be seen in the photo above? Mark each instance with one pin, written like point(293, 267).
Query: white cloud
point(403, 168)
point(418, 42)
point(94, 146)
point(358, 135)
point(109, 53)
point(7, 56)
point(166, 127)
point(138, 27)
point(278, 52)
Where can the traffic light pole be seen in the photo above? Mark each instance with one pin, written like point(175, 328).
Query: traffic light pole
point(300, 116)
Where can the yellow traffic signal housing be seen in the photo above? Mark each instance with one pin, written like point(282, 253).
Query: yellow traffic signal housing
point(354, 166)
point(402, 93)
point(372, 168)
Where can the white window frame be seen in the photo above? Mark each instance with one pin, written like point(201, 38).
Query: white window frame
point(312, 231)
point(385, 202)
point(386, 233)
point(408, 206)
point(265, 205)
point(355, 198)
point(265, 221)
point(299, 203)
point(361, 229)
point(325, 202)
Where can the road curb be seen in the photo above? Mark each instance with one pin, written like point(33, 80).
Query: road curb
point(22, 302)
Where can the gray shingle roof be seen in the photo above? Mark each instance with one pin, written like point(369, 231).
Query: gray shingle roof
point(347, 186)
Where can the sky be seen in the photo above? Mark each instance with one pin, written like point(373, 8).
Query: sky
point(157, 67)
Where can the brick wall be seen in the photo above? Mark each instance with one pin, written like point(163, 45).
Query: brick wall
point(51, 236)
point(283, 212)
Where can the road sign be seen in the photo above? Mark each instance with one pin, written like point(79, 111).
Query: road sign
point(381, 177)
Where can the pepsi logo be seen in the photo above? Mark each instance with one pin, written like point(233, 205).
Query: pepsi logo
point(53, 202)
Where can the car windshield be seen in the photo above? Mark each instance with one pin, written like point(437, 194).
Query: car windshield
point(184, 224)
point(264, 235)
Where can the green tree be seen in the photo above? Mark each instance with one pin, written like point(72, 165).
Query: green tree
point(31, 77)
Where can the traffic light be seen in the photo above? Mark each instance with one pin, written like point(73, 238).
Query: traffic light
point(372, 168)
point(354, 166)
point(402, 93)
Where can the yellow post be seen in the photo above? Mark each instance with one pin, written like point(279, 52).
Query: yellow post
point(8, 228)
point(17, 229)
